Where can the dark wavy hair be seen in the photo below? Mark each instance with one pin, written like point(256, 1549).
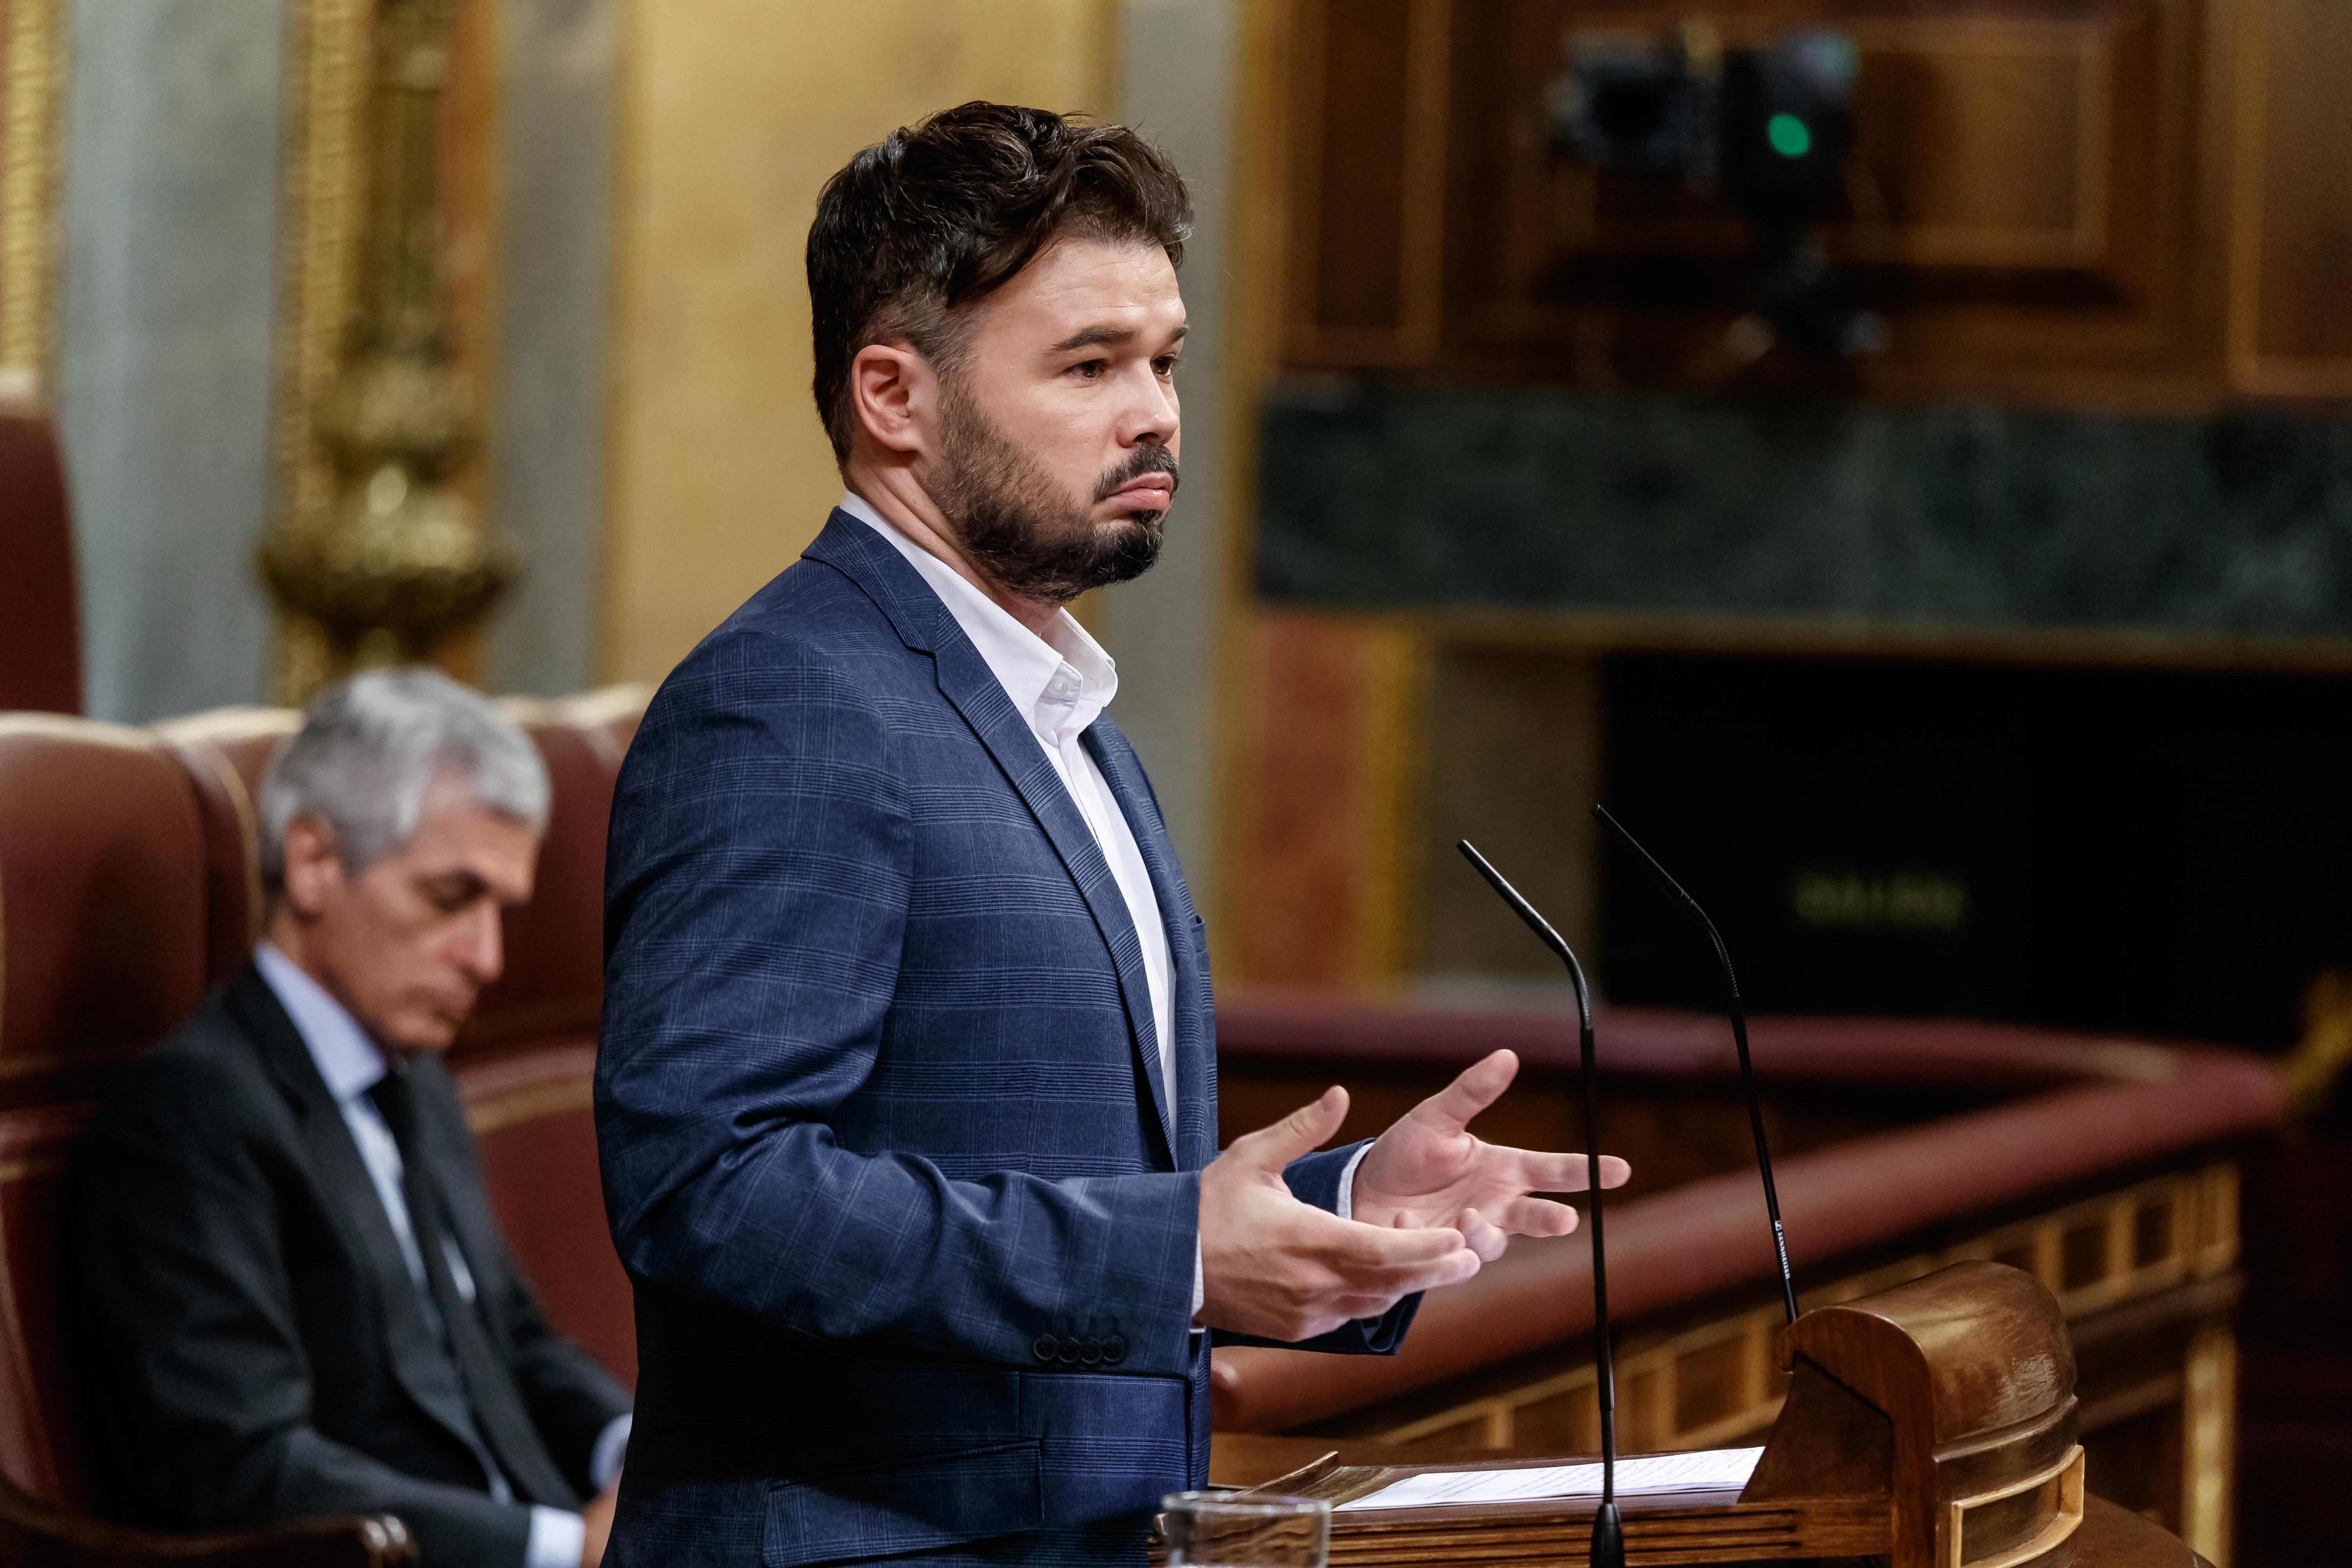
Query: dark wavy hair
point(933, 219)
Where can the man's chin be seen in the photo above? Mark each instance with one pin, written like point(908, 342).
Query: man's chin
point(1148, 519)
point(1129, 542)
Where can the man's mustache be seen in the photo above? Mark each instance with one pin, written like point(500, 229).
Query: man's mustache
point(1149, 459)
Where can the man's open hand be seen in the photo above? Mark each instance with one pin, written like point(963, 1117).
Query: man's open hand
point(1428, 1171)
point(1278, 1268)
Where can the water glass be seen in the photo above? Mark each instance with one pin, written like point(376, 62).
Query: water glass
point(1229, 1530)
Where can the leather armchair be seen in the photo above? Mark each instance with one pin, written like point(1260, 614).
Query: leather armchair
point(102, 951)
point(40, 621)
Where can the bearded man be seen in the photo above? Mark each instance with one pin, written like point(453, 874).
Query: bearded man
point(906, 1091)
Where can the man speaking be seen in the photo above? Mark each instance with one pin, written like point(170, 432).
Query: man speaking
point(907, 1094)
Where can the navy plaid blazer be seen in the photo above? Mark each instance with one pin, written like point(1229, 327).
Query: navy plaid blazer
point(910, 1214)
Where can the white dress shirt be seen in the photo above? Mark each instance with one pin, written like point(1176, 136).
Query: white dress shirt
point(1059, 684)
point(351, 1065)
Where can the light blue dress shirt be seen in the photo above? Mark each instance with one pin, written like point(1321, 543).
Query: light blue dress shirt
point(351, 1064)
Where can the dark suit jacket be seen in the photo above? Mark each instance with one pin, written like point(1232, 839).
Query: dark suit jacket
point(249, 1331)
point(910, 1215)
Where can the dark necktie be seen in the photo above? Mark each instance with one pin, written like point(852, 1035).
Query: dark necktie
point(499, 1411)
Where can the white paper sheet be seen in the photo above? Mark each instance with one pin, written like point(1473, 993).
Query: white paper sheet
point(1708, 1470)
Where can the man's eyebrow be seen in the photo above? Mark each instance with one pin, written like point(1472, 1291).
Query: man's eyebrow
point(1106, 335)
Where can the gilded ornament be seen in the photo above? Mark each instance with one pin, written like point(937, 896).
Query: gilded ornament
point(389, 561)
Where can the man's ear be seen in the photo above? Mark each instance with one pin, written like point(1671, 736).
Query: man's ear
point(896, 393)
point(314, 867)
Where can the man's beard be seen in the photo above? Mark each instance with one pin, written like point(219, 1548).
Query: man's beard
point(1020, 528)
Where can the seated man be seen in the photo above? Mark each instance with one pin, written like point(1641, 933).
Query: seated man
point(294, 1299)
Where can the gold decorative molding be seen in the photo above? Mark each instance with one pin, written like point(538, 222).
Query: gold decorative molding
point(377, 554)
point(1718, 1381)
point(318, 260)
point(2326, 1049)
point(2209, 1407)
point(32, 73)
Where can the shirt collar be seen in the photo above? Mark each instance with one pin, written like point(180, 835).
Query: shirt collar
point(345, 1057)
point(1059, 683)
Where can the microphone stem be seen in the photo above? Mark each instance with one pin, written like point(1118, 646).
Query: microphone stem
point(1755, 1122)
point(1738, 1010)
point(1605, 1379)
point(1608, 1548)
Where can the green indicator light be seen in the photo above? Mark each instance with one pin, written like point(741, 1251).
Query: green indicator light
point(1788, 135)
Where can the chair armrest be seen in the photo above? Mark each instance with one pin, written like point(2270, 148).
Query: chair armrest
point(32, 1532)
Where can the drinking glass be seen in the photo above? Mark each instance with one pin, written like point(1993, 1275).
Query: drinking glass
point(1227, 1530)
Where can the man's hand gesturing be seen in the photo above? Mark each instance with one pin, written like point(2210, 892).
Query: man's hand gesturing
point(1278, 1268)
point(1428, 1171)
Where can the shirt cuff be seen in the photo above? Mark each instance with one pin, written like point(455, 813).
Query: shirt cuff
point(1347, 1209)
point(613, 1444)
point(557, 1538)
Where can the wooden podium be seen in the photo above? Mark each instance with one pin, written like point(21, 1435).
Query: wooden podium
point(1932, 1425)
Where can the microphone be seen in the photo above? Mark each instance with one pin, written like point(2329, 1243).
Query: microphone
point(1698, 917)
point(1608, 1548)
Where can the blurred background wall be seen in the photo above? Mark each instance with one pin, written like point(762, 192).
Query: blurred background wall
point(1911, 529)
point(625, 193)
point(164, 340)
point(735, 113)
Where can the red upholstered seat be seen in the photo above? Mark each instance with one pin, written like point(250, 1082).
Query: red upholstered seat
point(101, 954)
point(224, 753)
point(103, 890)
point(40, 622)
point(530, 1111)
point(129, 884)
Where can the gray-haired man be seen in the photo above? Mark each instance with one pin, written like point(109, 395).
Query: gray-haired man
point(295, 1297)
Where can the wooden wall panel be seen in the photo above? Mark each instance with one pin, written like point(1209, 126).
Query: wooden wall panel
point(1365, 180)
point(1321, 839)
point(2112, 203)
point(1357, 275)
point(2137, 202)
point(2020, 206)
point(1979, 141)
point(1984, 141)
point(2291, 273)
point(1513, 746)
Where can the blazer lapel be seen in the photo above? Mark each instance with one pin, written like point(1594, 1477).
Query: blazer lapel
point(1191, 1007)
point(353, 1200)
point(925, 625)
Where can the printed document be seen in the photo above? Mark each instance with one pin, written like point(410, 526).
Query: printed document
point(1708, 1470)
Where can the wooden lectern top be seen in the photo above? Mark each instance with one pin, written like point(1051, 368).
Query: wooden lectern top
point(1932, 1424)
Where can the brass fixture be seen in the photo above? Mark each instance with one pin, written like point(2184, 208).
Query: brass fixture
point(2326, 1050)
point(391, 562)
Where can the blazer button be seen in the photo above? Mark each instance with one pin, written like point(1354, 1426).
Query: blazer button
point(1114, 1350)
point(1066, 1351)
point(1091, 1352)
point(1044, 1348)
